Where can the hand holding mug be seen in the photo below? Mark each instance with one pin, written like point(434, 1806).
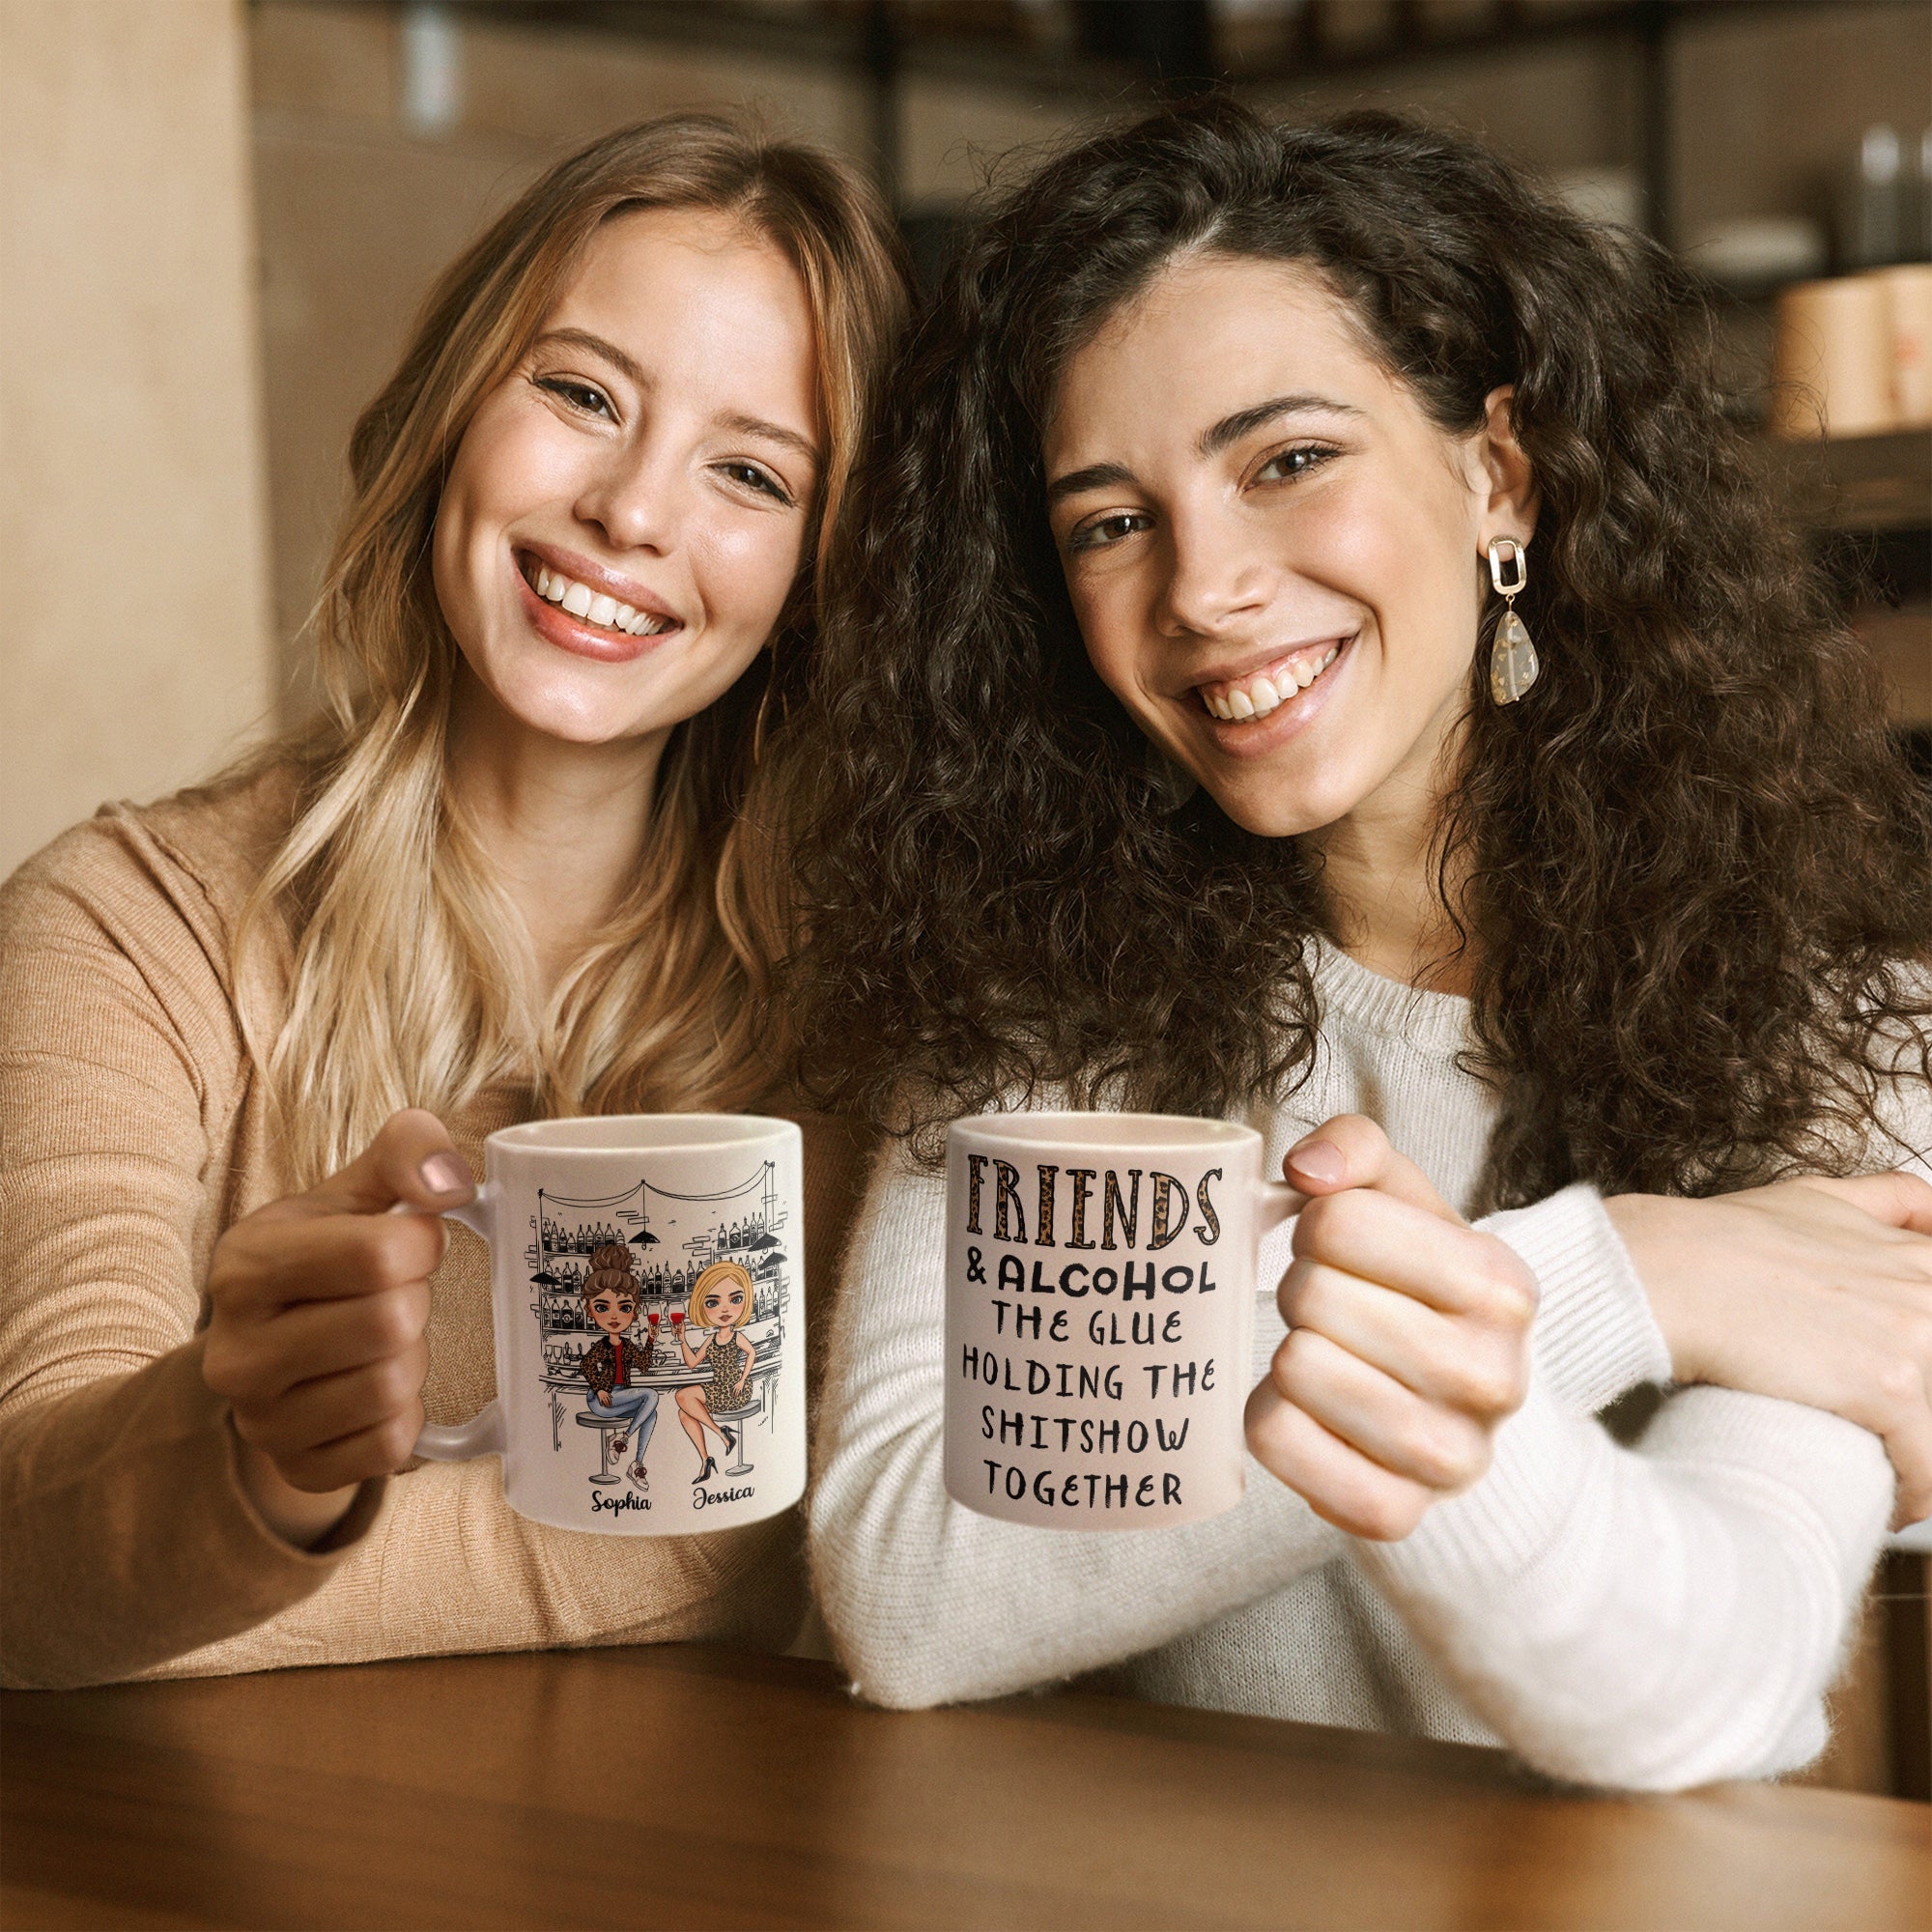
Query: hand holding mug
point(318, 1304)
point(1407, 1345)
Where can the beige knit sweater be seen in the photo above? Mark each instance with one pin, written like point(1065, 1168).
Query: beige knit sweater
point(133, 1130)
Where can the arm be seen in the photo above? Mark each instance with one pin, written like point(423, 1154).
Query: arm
point(928, 1601)
point(1651, 1619)
point(132, 1536)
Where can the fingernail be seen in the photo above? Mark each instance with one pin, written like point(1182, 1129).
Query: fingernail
point(446, 1174)
point(1320, 1160)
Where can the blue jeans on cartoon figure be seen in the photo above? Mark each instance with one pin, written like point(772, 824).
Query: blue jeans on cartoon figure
point(637, 1408)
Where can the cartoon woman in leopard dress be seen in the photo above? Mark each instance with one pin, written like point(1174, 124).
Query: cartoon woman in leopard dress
point(721, 1301)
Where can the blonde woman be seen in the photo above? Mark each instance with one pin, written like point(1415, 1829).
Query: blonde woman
point(515, 870)
point(720, 1303)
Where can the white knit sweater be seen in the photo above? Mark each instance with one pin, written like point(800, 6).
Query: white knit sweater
point(1651, 1619)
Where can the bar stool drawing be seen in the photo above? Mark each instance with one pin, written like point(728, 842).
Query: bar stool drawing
point(611, 1425)
point(740, 1420)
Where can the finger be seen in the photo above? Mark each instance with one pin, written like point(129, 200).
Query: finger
point(262, 1269)
point(379, 1450)
point(1350, 1150)
point(257, 1362)
point(1450, 1267)
point(411, 1160)
point(324, 1409)
point(1338, 1483)
point(1897, 1199)
point(1392, 1426)
point(1438, 1360)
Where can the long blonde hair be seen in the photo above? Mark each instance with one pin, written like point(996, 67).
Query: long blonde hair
point(411, 979)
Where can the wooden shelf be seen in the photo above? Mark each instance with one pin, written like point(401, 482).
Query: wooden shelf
point(1861, 483)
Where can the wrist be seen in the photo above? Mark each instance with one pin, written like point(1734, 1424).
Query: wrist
point(1652, 1230)
point(302, 1518)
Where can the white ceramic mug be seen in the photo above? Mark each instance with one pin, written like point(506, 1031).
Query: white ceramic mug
point(1099, 1315)
point(646, 1285)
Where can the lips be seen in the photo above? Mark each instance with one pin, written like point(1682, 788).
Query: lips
point(599, 609)
point(1257, 693)
point(573, 605)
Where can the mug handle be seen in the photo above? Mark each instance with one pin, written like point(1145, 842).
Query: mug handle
point(1279, 1203)
point(483, 1434)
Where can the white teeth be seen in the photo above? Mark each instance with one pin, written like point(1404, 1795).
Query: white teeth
point(595, 607)
point(1262, 693)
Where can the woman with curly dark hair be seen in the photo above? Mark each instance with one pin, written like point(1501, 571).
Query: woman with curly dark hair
point(1319, 652)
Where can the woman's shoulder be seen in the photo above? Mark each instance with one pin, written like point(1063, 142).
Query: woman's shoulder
point(136, 911)
point(191, 857)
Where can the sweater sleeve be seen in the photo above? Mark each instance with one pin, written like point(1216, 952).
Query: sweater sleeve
point(1595, 1335)
point(130, 1539)
point(1650, 1618)
point(928, 1601)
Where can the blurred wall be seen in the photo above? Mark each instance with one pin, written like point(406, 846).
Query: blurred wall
point(136, 646)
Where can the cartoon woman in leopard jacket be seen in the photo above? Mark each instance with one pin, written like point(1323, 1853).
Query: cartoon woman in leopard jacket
point(611, 1296)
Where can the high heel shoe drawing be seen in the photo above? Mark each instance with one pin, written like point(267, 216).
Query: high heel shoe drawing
point(730, 1436)
point(706, 1474)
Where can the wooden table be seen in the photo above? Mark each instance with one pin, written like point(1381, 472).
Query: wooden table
point(689, 1787)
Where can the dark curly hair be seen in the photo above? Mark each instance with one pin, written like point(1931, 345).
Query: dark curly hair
point(1696, 870)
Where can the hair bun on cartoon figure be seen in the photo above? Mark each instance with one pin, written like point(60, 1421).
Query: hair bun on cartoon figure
point(612, 1255)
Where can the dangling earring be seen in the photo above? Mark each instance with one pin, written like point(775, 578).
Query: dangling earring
point(1513, 661)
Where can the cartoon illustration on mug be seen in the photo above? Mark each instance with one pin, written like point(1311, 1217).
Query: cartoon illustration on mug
point(611, 1298)
point(711, 1267)
point(720, 1303)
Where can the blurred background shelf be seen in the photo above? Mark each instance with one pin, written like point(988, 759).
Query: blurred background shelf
point(1862, 484)
point(1869, 499)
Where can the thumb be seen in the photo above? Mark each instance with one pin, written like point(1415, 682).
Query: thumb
point(412, 1160)
point(1350, 1151)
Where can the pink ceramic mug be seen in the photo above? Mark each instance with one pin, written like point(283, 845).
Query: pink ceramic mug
point(1099, 1315)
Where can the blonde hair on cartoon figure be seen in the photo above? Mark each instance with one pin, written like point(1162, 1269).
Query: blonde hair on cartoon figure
point(717, 1273)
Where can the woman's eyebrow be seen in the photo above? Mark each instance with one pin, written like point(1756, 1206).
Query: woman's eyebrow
point(769, 432)
point(1096, 476)
point(632, 372)
point(581, 338)
point(1230, 429)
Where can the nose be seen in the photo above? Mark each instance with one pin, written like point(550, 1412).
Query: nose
point(637, 499)
point(1217, 576)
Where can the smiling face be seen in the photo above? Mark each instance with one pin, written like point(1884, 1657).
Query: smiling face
point(627, 511)
point(1272, 550)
